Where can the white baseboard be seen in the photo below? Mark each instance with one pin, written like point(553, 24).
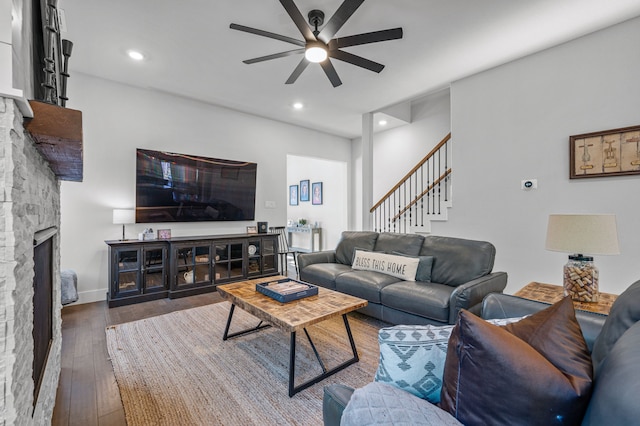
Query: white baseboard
point(90, 296)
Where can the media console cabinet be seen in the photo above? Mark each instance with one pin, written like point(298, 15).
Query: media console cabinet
point(140, 271)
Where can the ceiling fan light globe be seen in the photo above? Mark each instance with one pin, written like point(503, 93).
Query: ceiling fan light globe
point(315, 54)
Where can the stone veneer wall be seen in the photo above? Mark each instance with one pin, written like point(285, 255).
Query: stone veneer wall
point(29, 202)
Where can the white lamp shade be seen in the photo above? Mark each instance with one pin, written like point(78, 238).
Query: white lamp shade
point(124, 216)
point(583, 234)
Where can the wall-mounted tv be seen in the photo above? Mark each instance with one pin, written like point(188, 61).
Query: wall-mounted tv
point(188, 188)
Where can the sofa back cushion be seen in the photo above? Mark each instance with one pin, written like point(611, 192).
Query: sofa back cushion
point(614, 400)
point(389, 242)
point(458, 260)
point(625, 312)
point(352, 240)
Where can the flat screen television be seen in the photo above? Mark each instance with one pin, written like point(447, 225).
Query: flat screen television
point(188, 188)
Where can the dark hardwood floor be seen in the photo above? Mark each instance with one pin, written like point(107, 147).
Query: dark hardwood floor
point(87, 392)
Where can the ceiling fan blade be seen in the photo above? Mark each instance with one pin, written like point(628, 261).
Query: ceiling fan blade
point(274, 56)
point(365, 38)
point(296, 72)
point(267, 34)
point(344, 12)
point(298, 19)
point(330, 71)
point(356, 60)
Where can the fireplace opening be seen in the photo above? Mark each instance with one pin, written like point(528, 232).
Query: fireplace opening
point(42, 304)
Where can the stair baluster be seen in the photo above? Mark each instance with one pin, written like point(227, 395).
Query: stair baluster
point(419, 195)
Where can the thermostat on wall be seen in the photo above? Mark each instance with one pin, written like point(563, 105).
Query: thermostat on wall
point(529, 184)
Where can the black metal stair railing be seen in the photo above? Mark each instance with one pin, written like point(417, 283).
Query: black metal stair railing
point(419, 195)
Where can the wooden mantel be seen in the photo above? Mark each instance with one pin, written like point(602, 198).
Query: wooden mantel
point(57, 133)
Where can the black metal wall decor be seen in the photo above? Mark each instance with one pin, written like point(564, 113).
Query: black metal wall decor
point(51, 54)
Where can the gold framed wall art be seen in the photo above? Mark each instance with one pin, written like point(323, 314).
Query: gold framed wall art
point(613, 152)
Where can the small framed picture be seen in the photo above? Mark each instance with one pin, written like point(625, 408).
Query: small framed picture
point(293, 195)
point(252, 229)
point(164, 234)
point(304, 190)
point(316, 191)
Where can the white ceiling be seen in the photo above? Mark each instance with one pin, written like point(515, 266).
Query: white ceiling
point(192, 52)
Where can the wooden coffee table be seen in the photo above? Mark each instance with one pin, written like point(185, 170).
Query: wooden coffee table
point(292, 317)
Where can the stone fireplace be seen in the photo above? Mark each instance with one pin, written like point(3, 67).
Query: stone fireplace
point(29, 207)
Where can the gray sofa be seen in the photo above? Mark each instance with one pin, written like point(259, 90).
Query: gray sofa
point(461, 276)
point(614, 342)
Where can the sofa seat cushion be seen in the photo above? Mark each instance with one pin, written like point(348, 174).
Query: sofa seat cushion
point(429, 300)
point(324, 274)
point(389, 242)
point(382, 404)
point(352, 240)
point(364, 284)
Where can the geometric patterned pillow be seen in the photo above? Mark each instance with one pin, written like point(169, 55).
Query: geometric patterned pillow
point(412, 357)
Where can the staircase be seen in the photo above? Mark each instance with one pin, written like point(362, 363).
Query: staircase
point(420, 197)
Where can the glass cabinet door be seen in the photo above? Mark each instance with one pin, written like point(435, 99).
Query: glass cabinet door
point(202, 264)
point(269, 255)
point(154, 268)
point(229, 260)
point(236, 262)
point(254, 254)
point(193, 265)
point(126, 275)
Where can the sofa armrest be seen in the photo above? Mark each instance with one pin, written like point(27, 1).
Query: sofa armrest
point(336, 397)
point(507, 306)
point(471, 293)
point(306, 259)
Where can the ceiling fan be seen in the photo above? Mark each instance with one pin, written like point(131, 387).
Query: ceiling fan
point(319, 45)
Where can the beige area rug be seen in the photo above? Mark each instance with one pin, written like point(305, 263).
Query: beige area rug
point(175, 369)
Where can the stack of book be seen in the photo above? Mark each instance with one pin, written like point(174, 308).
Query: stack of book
point(287, 287)
point(286, 290)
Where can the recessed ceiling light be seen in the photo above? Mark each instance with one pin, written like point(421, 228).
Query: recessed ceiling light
point(298, 105)
point(382, 122)
point(134, 54)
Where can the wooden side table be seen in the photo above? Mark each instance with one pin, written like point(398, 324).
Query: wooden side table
point(549, 293)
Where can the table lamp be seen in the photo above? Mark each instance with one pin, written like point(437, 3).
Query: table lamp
point(123, 216)
point(582, 235)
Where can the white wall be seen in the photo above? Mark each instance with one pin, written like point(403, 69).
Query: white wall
point(332, 215)
point(514, 122)
point(398, 150)
point(117, 119)
point(509, 123)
